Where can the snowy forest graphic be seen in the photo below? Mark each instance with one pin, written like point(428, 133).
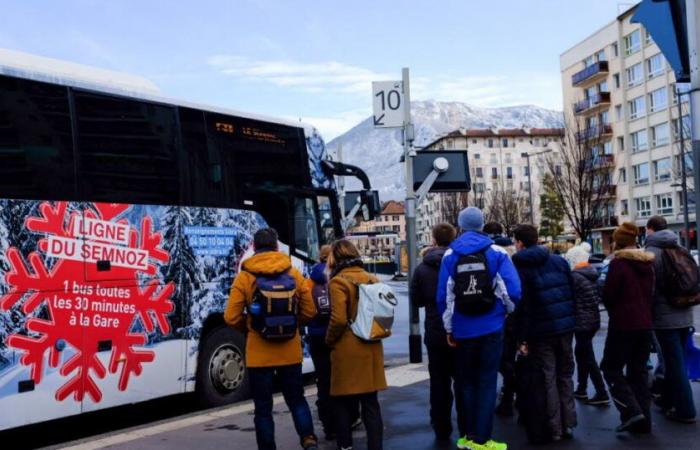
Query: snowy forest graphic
point(202, 280)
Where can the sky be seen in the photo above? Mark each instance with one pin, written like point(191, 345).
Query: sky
point(315, 60)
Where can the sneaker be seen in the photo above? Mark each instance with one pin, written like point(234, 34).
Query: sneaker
point(672, 415)
point(309, 443)
point(598, 400)
point(464, 443)
point(581, 393)
point(568, 433)
point(489, 445)
point(631, 423)
point(356, 424)
point(493, 445)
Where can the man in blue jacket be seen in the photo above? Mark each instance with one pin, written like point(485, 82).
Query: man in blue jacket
point(545, 324)
point(478, 286)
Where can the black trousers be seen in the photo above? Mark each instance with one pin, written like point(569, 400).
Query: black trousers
point(345, 410)
point(625, 369)
point(441, 367)
point(507, 367)
point(321, 356)
point(586, 362)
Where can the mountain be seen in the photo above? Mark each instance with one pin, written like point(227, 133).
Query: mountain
point(377, 150)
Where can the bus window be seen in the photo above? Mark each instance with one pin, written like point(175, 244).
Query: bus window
point(325, 212)
point(36, 144)
point(127, 151)
point(306, 242)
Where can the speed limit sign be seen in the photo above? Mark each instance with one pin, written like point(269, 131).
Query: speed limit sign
point(388, 102)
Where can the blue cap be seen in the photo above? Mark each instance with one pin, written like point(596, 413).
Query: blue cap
point(471, 219)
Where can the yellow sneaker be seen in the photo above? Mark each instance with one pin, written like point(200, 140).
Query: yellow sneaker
point(464, 443)
point(493, 445)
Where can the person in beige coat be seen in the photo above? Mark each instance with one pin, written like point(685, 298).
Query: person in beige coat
point(357, 366)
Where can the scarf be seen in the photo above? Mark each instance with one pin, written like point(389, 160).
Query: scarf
point(357, 262)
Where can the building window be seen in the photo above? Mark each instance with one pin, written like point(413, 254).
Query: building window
point(655, 65)
point(643, 206)
point(623, 175)
point(536, 142)
point(624, 207)
point(526, 171)
point(479, 188)
point(600, 56)
point(662, 169)
point(641, 173)
point(620, 144)
point(509, 158)
point(660, 135)
point(604, 118)
point(616, 80)
point(589, 61)
point(618, 113)
point(658, 99)
point(450, 143)
point(509, 173)
point(557, 170)
point(633, 42)
point(615, 50)
point(688, 164)
point(504, 142)
point(490, 143)
point(637, 107)
point(473, 141)
point(635, 75)
point(647, 38)
point(639, 141)
point(494, 159)
point(691, 199)
point(396, 218)
point(664, 204)
point(477, 156)
point(479, 172)
point(686, 128)
point(494, 172)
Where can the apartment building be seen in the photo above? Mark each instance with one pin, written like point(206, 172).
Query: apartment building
point(618, 83)
point(391, 221)
point(496, 162)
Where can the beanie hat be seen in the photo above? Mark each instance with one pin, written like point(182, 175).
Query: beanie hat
point(586, 247)
point(471, 219)
point(576, 256)
point(625, 235)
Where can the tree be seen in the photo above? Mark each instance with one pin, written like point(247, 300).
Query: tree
point(551, 209)
point(451, 204)
point(581, 174)
point(505, 206)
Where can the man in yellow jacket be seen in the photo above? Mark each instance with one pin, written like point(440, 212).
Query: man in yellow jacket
point(269, 356)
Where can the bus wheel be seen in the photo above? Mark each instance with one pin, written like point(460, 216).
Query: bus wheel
point(221, 373)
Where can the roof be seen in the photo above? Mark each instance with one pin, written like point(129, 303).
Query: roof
point(499, 132)
point(393, 208)
point(64, 73)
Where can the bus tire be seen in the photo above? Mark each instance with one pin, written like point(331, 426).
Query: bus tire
point(221, 374)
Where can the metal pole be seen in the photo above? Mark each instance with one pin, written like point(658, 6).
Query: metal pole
point(341, 183)
point(684, 181)
point(414, 345)
point(529, 188)
point(693, 13)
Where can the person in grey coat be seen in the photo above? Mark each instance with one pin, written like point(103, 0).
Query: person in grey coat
point(672, 327)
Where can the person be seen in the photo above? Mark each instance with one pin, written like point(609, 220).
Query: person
point(628, 297)
point(316, 338)
point(441, 358)
point(586, 300)
point(672, 327)
point(545, 326)
point(266, 357)
point(494, 230)
point(357, 367)
point(477, 287)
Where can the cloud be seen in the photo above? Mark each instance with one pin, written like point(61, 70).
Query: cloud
point(323, 77)
point(333, 125)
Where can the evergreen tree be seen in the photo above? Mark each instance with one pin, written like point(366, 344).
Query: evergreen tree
point(551, 209)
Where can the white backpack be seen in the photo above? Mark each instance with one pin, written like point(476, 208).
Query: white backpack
point(375, 312)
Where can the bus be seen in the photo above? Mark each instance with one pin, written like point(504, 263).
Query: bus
point(124, 217)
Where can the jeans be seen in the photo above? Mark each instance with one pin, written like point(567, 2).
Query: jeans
point(321, 356)
point(477, 379)
point(555, 356)
point(345, 412)
point(262, 386)
point(441, 367)
point(676, 391)
point(625, 369)
point(586, 362)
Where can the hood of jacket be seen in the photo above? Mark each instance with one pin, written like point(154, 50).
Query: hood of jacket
point(471, 242)
point(531, 256)
point(662, 239)
point(268, 263)
point(589, 272)
point(433, 256)
point(502, 241)
point(318, 273)
point(638, 258)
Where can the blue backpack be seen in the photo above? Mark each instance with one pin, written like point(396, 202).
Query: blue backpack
point(275, 306)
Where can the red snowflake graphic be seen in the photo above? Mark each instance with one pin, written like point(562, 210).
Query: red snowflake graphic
point(84, 312)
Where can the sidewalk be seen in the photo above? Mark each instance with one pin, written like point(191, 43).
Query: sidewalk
point(406, 418)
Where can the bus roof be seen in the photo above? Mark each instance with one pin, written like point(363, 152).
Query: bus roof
point(65, 73)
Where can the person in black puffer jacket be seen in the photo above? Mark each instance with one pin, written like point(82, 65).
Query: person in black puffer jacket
point(587, 298)
point(545, 323)
point(440, 355)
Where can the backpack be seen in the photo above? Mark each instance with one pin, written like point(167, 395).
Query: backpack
point(319, 324)
point(681, 277)
point(275, 306)
point(531, 400)
point(473, 286)
point(375, 311)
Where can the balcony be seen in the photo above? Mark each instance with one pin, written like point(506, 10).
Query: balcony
point(607, 192)
point(592, 104)
point(599, 131)
point(590, 73)
point(605, 222)
point(603, 161)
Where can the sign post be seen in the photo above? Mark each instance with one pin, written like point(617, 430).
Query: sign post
point(391, 101)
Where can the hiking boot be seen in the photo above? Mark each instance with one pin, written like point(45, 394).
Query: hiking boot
point(600, 399)
point(581, 393)
point(309, 443)
point(631, 423)
point(505, 408)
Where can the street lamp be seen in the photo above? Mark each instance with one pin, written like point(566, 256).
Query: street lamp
point(684, 182)
point(529, 181)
